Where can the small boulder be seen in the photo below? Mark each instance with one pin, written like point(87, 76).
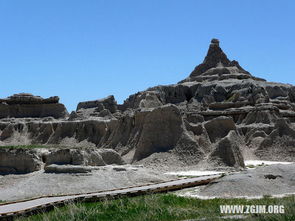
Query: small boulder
point(17, 161)
point(227, 152)
point(219, 127)
point(110, 156)
point(58, 156)
point(53, 168)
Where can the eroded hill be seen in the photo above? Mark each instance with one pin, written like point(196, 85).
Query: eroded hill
point(217, 116)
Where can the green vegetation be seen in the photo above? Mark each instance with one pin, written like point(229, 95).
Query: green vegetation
point(161, 207)
point(233, 97)
point(222, 175)
point(254, 166)
point(32, 146)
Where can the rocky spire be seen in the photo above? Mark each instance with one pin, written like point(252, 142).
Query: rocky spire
point(215, 58)
point(215, 55)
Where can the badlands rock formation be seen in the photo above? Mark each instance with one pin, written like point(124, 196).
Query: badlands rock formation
point(26, 105)
point(216, 115)
point(24, 160)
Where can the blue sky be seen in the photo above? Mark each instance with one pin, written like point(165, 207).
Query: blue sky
point(85, 50)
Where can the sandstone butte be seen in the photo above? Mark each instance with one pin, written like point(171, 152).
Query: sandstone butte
point(219, 115)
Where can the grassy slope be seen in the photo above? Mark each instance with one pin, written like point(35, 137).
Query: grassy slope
point(160, 207)
point(25, 146)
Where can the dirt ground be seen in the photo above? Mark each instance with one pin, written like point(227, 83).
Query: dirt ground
point(17, 187)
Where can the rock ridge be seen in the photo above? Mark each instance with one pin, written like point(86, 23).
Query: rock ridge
point(210, 119)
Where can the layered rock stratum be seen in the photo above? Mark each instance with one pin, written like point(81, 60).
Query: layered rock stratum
point(27, 105)
point(217, 116)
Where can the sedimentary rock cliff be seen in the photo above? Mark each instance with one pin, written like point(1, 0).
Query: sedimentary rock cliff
point(26, 105)
point(218, 115)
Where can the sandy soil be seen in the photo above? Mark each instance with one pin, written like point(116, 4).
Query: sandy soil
point(276, 180)
point(264, 162)
point(17, 187)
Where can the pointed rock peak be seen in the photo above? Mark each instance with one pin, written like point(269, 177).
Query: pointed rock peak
point(215, 58)
point(215, 55)
point(215, 41)
point(216, 63)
